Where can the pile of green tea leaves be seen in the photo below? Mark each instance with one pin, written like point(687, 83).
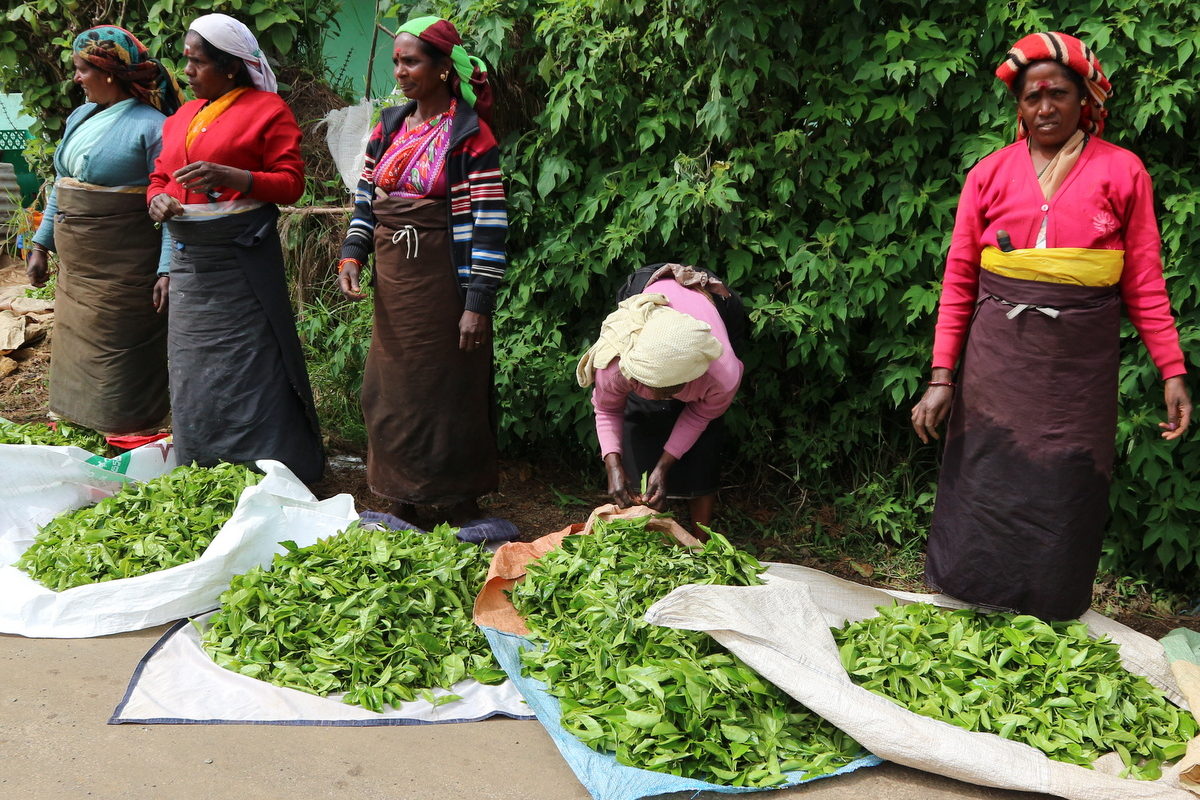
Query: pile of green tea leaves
point(145, 527)
point(661, 699)
point(384, 616)
point(1047, 685)
point(61, 435)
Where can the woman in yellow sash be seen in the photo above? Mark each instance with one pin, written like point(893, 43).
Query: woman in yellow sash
point(1054, 235)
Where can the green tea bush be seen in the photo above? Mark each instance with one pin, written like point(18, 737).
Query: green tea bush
point(812, 153)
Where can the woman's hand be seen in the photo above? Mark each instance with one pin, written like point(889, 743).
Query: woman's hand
point(348, 282)
point(163, 207)
point(618, 482)
point(656, 484)
point(1179, 408)
point(37, 266)
point(203, 177)
point(474, 329)
point(162, 290)
point(933, 407)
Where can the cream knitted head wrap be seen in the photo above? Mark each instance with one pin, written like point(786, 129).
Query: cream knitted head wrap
point(658, 346)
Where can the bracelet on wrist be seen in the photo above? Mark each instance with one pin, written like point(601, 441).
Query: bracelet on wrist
point(341, 265)
point(951, 384)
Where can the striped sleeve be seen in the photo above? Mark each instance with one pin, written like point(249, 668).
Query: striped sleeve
point(360, 242)
point(489, 230)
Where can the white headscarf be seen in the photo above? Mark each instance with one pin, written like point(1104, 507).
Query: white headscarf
point(658, 346)
point(226, 33)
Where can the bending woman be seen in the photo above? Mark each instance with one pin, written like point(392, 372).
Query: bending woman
point(109, 365)
point(1054, 234)
point(239, 387)
point(665, 371)
point(430, 205)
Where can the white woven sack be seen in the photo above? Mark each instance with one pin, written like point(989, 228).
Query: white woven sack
point(346, 132)
point(781, 629)
point(277, 509)
point(37, 482)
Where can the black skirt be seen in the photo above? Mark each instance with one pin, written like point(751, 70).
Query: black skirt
point(239, 387)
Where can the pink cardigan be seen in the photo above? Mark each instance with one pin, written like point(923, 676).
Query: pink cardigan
point(707, 397)
point(1106, 203)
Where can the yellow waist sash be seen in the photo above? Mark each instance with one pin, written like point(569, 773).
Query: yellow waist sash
point(1075, 265)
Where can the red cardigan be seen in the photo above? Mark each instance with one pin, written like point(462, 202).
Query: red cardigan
point(257, 133)
point(1106, 203)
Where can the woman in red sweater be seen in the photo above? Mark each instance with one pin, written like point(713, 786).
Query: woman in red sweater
point(1054, 234)
point(239, 387)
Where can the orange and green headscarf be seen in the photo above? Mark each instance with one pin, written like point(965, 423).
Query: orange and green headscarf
point(471, 72)
point(1072, 54)
point(119, 53)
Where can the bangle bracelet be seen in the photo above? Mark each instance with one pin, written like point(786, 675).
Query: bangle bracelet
point(951, 384)
point(341, 265)
point(249, 181)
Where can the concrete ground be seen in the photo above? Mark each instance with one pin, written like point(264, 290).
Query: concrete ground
point(57, 694)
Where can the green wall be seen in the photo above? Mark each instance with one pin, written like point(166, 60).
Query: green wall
point(347, 52)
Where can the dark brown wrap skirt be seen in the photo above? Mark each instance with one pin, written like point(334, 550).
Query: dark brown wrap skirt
point(427, 404)
point(108, 370)
point(1023, 494)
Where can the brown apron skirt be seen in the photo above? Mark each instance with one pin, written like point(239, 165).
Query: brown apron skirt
point(1023, 493)
point(108, 368)
point(426, 403)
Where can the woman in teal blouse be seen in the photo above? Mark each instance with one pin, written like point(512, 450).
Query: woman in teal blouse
point(108, 366)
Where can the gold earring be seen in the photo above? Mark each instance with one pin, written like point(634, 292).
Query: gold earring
point(445, 75)
point(108, 79)
point(229, 75)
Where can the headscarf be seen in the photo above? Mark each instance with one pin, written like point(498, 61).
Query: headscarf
point(471, 72)
point(658, 346)
point(226, 33)
point(1072, 54)
point(118, 52)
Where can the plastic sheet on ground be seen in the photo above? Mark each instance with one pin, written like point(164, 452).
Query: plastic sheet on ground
point(600, 774)
point(781, 629)
point(1182, 647)
point(277, 509)
point(177, 682)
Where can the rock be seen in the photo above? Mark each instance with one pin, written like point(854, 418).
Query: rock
point(7, 366)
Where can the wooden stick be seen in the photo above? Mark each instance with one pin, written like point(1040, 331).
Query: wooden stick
point(305, 210)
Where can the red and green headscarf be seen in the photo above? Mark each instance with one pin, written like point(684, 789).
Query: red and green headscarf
point(471, 72)
point(119, 53)
point(1072, 54)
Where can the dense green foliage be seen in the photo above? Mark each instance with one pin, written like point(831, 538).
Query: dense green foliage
point(1048, 685)
point(35, 45)
point(383, 616)
point(659, 698)
point(144, 528)
point(812, 153)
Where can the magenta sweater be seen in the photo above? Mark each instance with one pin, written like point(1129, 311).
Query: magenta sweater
point(707, 397)
point(1106, 203)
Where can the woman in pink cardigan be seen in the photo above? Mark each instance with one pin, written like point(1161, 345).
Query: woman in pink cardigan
point(1054, 234)
point(665, 371)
